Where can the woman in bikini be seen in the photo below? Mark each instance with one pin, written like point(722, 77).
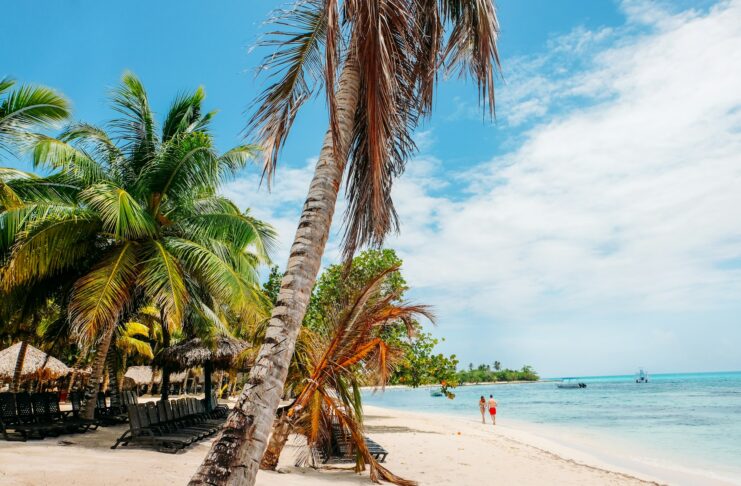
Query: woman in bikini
point(493, 409)
point(482, 409)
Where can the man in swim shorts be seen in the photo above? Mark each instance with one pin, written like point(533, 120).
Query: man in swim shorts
point(493, 409)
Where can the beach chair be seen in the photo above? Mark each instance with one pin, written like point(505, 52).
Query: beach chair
point(108, 415)
point(75, 399)
point(183, 414)
point(140, 432)
point(69, 419)
point(10, 424)
point(26, 416)
point(163, 426)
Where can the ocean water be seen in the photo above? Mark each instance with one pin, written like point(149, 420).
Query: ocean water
point(691, 420)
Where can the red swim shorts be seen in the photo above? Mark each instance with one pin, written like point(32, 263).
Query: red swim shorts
point(493, 410)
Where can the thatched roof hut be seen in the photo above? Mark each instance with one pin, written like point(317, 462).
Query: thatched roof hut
point(194, 352)
point(37, 365)
point(142, 375)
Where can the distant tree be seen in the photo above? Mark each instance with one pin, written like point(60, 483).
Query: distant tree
point(497, 365)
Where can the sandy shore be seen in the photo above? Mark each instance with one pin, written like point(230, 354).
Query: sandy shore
point(427, 448)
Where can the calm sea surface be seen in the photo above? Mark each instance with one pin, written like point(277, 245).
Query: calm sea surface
point(691, 419)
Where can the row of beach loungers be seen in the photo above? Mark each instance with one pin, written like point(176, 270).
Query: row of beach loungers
point(26, 416)
point(168, 426)
point(171, 425)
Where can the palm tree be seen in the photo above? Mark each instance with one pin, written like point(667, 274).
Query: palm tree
point(22, 110)
point(387, 54)
point(133, 215)
point(350, 353)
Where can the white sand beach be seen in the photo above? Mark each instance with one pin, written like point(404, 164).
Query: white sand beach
point(427, 448)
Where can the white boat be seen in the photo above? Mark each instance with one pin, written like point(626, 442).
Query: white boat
point(641, 376)
point(571, 383)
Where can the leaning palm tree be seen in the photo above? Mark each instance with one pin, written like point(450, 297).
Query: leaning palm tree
point(133, 217)
point(378, 61)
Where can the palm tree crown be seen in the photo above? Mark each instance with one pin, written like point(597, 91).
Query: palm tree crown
point(397, 47)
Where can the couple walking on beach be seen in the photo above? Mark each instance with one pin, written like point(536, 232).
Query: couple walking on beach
point(492, 409)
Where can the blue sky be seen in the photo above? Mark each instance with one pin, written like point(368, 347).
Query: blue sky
point(593, 228)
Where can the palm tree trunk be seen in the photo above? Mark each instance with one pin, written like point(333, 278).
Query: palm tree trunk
point(19, 367)
point(235, 456)
point(278, 439)
point(113, 379)
point(207, 371)
point(96, 375)
point(165, 383)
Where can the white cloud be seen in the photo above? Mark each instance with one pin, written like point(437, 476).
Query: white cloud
point(628, 204)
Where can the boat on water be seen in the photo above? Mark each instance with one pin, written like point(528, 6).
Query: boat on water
point(641, 376)
point(571, 383)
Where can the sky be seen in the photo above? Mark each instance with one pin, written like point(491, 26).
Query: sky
point(592, 228)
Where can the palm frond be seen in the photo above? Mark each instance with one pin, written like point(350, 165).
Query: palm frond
point(136, 127)
point(120, 213)
point(297, 64)
point(240, 230)
point(99, 297)
point(162, 278)
point(26, 107)
point(472, 46)
point(50, 245)
point(388, 110)
point(52, 153)
point(184, 114)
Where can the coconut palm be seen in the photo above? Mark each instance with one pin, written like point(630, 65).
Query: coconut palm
point(378, 61)
point(132, 215)
point(350, 353)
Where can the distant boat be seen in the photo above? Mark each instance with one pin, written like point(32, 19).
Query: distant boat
point(571, 383)
point(641, 376)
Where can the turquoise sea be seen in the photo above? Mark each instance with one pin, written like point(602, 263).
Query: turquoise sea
point(690, 421)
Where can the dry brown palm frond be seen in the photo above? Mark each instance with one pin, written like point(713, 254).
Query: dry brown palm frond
point(397, 48)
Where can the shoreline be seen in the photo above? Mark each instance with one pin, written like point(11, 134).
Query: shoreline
point(587, 453)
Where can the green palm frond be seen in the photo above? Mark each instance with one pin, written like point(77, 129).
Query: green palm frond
point(184, 115)
point(61, 188)
point(26, 107)
point(129, 343)
point(162, 278)
point(236, 159)
point(217, 275)
point(50, 245)
point(95, 141)
point(99, 297)
point(52, 153)
point(185, 164)
point(136, 128)
point(120, 213)
point(240, 230)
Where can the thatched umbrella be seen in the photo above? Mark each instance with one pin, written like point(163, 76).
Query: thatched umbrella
point(36, 364)
point(220, 354)
point(142, 375)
